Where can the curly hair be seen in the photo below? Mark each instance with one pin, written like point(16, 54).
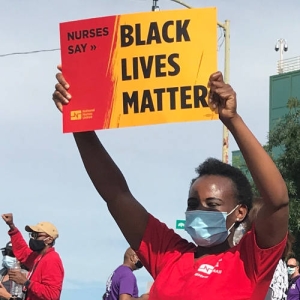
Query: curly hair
point(243, 189)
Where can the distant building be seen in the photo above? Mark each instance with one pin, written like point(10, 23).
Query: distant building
point(283, 86)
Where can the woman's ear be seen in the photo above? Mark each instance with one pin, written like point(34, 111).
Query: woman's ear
point(241, 213)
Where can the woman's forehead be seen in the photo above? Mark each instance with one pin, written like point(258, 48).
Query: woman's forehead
point(212, 186)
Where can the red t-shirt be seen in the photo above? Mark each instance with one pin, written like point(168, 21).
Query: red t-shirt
point(242, 272)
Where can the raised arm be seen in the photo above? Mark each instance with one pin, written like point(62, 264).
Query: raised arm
point(20, 248)
point(110, 183)
point(108, 180)
point(271, 223)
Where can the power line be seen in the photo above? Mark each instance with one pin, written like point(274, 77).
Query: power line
point(58, 49)
point(28, 52)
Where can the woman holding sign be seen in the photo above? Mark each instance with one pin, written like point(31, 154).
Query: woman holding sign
point(219, 199)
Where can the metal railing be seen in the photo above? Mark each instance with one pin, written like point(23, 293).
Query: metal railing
point(288, 65)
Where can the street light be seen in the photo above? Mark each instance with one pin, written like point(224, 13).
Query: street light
point(226, 28)
point(281, 45)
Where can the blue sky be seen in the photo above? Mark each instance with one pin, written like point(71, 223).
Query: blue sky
point(42, 177)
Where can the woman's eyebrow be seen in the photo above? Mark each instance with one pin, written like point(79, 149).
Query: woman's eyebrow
point(214, 198)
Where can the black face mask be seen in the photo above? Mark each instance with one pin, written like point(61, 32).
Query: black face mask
point(138, 264)
point(36, 245)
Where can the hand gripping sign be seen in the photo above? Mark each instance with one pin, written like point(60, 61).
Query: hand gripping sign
point(138, 69)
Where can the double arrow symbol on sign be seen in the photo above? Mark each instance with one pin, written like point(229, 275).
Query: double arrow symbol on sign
point(93, 47)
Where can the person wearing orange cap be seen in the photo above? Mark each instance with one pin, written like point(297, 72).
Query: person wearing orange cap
point(46, 272)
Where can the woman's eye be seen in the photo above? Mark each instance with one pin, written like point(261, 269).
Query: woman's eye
point(212, 204)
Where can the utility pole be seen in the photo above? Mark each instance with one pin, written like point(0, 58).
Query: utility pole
point(155, 6)
point(226, 28)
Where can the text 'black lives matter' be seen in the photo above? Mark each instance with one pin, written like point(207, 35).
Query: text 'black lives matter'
point(85, 34)
point(170, 32)
point(155, 65)
point(172, 98)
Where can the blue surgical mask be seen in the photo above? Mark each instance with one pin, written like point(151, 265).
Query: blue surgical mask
point(291, 271)
point(8, 261)
point(207, 228)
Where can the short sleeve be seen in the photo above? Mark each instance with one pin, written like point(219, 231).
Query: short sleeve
point(298, 286)
point(161, 245)
point(260, 263)
point(127, 284)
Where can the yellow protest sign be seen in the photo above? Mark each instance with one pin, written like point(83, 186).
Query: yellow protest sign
point(145, 68)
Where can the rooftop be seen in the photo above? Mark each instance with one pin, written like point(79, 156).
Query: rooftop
point(288, 65)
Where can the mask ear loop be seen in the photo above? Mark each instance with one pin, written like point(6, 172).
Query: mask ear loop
point(237, 220)
point(231, 227)
point(233, 209)
point(47, 238)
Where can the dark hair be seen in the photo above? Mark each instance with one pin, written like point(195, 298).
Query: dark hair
point(52, 244)
point(243, 190)
point(297, 261)
point(256, 206)
point(7, 250)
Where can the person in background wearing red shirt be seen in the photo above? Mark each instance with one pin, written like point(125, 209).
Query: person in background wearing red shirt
point(219, 199)
point(46, 273)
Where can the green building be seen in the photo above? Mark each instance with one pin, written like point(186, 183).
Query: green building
point(282, 87)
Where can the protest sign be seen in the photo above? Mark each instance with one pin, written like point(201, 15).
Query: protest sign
point(138, 69)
